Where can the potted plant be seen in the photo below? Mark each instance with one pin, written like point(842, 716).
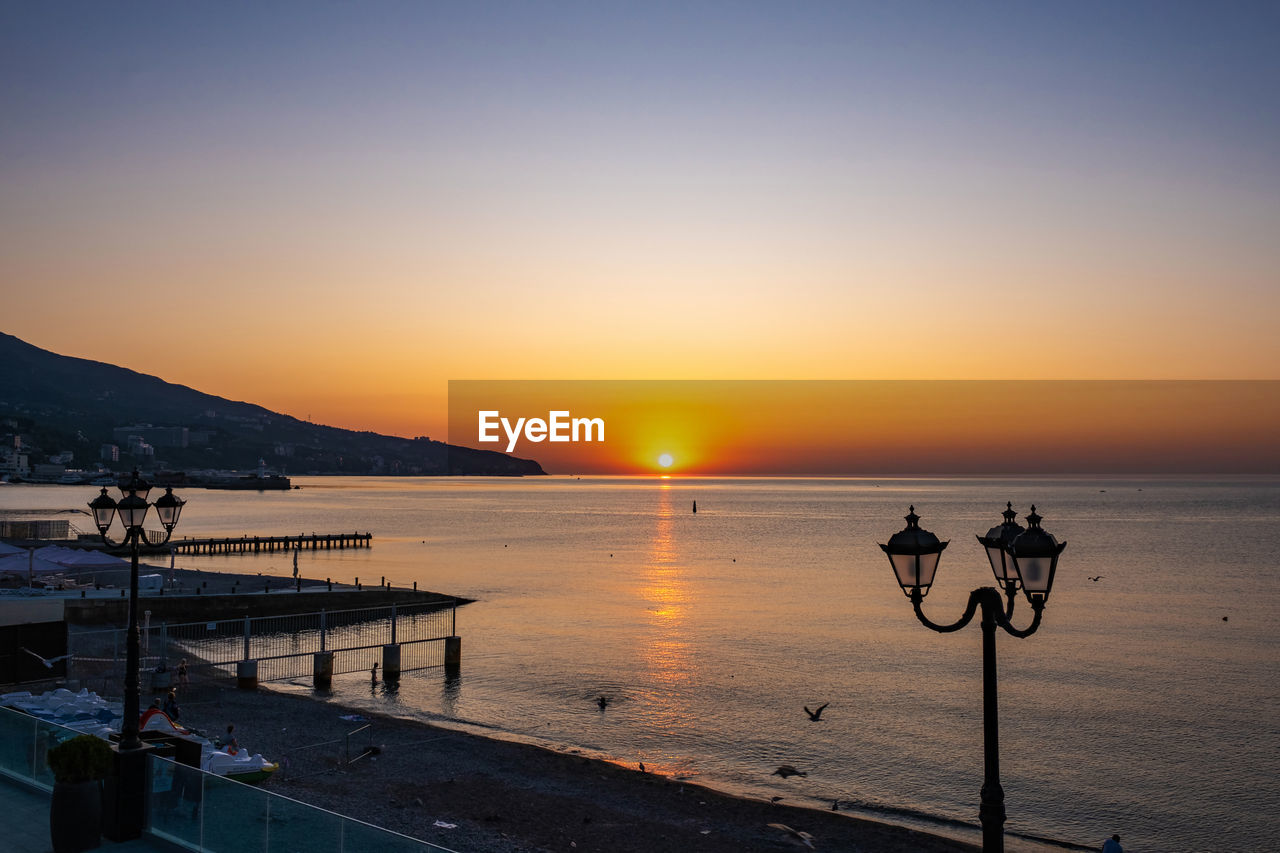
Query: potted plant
point(75, 815)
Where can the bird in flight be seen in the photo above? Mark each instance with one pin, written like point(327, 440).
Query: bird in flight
point(48, 662)
point(1097, 578)
point(796, 834)
point(786, 771)
point(816, 714)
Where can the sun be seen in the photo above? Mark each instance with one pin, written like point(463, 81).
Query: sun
point(665, 460)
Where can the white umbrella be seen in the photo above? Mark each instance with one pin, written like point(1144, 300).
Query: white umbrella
point(29, 564)
point(83, 559)
point(54, 553)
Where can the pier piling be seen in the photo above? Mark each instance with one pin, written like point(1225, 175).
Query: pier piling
point(322, 670)
point(391, 662)
point(247, 674)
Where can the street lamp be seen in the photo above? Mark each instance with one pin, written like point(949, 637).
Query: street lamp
point(132, 509)
point(1019, 558)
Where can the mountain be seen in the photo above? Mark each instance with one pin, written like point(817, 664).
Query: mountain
point(57, 403)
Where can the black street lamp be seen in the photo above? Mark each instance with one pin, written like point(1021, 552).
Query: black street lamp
point(132, 509)
point(1019, 558)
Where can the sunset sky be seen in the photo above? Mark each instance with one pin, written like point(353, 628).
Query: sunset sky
point(879, 428)
point(333, 209)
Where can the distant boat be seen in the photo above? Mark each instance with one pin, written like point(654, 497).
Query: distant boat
point(252, 482)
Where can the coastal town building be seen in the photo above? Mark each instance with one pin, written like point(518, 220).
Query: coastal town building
point(15, 463)
point(153, 435)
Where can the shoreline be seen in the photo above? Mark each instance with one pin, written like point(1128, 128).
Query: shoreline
point(563, 775)
point(533, 781)
point(508, 796)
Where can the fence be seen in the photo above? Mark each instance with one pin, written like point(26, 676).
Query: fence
point(38, 529)
point(284, 646)
point(209, 814)
point(199, 811)
point(24, 742)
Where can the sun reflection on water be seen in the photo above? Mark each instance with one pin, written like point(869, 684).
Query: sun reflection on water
point(665, 594)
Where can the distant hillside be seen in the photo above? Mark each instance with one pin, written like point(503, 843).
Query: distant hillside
point(58, 403)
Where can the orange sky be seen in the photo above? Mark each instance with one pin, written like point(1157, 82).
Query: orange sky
point(884, 428)
point(335, 214)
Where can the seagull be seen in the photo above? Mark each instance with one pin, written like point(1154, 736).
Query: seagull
point(1097, 578)
point(815, 715)
point(642, 770)
point(48, 662)
point(786, 770)
point(799, 835)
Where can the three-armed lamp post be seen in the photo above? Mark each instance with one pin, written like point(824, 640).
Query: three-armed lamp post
point(132, 509)
point(1019, 558)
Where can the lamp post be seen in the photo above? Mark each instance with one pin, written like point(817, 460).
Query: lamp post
point(132, 509)
point(1019, 558)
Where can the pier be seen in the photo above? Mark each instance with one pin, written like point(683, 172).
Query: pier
point(268, 544)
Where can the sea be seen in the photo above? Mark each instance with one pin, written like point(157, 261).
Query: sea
point(1146, 704)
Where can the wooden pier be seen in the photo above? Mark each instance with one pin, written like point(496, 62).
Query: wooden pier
point(269, 544)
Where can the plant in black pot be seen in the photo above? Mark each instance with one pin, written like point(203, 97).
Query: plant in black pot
point(75, 816)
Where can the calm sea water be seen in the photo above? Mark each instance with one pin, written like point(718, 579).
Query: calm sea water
point(1135, 709)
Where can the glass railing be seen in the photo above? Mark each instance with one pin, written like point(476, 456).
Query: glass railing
point(24, 742)
point(210, 814)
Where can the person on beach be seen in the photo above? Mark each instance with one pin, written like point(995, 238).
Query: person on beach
point(229, 742)
point(183, 680)
point(1112, 845)
point(170, 706)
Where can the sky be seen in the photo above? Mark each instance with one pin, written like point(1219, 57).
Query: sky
point(874, 428)
point(334, 209)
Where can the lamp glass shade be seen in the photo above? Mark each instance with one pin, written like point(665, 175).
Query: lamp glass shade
point(1035, 558)
point(995, 543)
point(1037, 573)
point(914, 553)
point(168, 508)
point(104, 510)
point(1001, 564)
point(915, 570)
point(133, 510)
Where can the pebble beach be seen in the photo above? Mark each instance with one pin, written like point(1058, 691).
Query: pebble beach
point(500, 796)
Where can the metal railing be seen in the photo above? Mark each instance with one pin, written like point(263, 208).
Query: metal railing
point(202, 812)
point(282, 645)
point(24, 742)
point(210, 814)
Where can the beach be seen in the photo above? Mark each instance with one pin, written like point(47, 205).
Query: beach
point(501, 796)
